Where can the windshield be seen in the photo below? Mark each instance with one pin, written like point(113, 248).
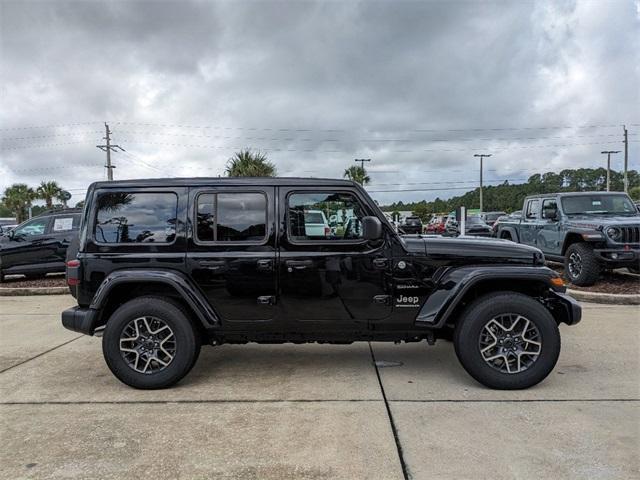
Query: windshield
point(475, 220)
point(585, 204)
point(313, 217)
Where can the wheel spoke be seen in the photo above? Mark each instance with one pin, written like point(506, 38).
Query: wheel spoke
point(142, 348)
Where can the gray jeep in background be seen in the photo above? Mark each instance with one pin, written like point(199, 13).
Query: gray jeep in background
point(588, 231)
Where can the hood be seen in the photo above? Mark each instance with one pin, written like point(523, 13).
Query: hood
point(594, 221)
point(472, 250)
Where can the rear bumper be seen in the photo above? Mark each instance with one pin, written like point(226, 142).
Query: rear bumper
point(79, 319)
point(565, 308)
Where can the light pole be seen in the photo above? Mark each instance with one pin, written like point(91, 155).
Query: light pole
point(362, 160)
point(482, 156)
point(609, 152)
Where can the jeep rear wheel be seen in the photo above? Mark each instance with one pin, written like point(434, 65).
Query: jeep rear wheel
point(581, 265)
point(150, 343)
point(507, 341)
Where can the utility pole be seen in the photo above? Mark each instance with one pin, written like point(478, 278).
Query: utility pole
point(482, 156)
point(609, 152)
point(626, 159)
point(362, 160)
point(109, 148)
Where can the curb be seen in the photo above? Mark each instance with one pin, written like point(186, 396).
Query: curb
point(10, 292)
point(605, 298)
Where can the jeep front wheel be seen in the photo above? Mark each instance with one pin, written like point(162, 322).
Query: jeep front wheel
point(507, 341)
point(150, 343)
point(581, 265)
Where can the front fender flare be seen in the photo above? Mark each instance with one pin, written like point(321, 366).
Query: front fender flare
point(454, 283)
point(178, 281)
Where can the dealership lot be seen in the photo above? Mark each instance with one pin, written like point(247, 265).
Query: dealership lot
point(315, 411)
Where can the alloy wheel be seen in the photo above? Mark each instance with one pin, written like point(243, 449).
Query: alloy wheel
point(510, 343)
point(147, 345)
point(575, 264)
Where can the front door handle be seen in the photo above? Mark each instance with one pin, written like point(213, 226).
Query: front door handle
point(298, 264)
point(380, 263)
point(216, 265)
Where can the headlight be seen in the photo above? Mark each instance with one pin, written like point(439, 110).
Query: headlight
point(614, 233)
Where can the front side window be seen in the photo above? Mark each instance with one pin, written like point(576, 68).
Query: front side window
point(132, 217)
point(32, 228)
point(231, 217)
point(549, 204)
point(324, 216)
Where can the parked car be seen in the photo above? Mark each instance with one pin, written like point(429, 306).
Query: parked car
point(588, 231)
point(38, 246)
point(316, 224)
point(437, 224)
point(474, 225)
point(490, 217)
point(165, 266)
point(6, 228)
point(412, 224)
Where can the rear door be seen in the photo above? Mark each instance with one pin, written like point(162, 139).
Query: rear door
point(232, 253)
point(23, 251)
point(337, 281)
point(61, 231)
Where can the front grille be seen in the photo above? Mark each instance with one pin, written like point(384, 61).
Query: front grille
point(630, 235)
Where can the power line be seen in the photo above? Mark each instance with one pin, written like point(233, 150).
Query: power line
point(49, 136)
point(31, 127)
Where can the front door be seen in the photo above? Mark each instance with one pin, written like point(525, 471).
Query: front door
point(232, 253)
point(330, 277)
point(549, 229)
point(530, 220)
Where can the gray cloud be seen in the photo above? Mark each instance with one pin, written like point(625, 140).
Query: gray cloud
point(416, 86)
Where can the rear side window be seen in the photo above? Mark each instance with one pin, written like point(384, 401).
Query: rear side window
point(532, 208)
point(231, 217)
point(64, 224)
point(132, 217)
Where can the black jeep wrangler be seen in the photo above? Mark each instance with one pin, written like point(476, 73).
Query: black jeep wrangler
point(164, 266)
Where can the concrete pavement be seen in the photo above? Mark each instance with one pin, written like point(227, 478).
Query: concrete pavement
point(315, 411)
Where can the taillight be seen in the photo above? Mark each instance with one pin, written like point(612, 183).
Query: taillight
point(72, 272)
point(327, 231)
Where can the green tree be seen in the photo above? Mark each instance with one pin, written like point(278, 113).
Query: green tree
point(18, 198)
point(357, 174)
point(48, 191)
point(635, 193)
point(246, 163)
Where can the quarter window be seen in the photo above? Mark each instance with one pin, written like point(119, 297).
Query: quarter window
point(231, 217)
point(324, 216)
point(130, 217)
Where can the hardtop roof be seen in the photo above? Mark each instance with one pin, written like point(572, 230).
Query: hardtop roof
point(572, 194)
point(208, 181)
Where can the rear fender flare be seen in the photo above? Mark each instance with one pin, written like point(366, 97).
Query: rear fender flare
point(176, 280)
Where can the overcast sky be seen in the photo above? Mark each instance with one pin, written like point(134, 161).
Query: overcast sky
point(418, 87)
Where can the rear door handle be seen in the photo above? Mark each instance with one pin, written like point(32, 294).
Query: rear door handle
point(265, 265)
point(298, 264)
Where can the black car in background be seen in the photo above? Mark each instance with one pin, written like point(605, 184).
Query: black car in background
point(474, 226)
point(491, 217)
point(39, 245)
point(412, 224)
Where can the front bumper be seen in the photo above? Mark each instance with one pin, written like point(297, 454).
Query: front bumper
point(619, 256)
point(565, 308)
point(79, 319)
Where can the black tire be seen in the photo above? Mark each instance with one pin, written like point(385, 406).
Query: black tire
point(187, 342)
point(581, 266)
point(471, 325)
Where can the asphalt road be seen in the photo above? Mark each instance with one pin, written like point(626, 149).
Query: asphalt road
point(316, 411)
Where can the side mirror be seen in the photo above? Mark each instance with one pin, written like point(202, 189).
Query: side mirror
point(371, 228)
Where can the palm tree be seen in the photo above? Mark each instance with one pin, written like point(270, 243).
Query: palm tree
point(47, 191)
point(357, 174)
point(246, 163)
point(18, 198)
